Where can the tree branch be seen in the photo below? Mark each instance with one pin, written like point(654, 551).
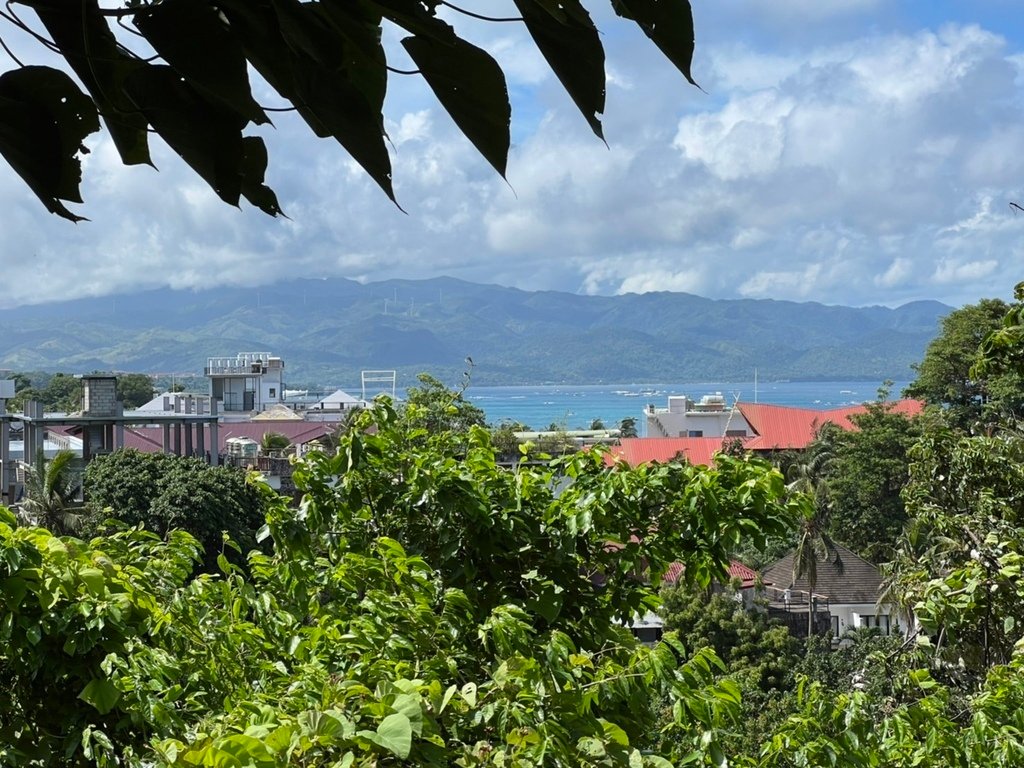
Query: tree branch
point(477, 15)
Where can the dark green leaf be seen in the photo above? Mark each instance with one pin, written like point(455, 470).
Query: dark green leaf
point(669, 23)
point(363, 52)
point(44, 118)
point(174, 109)
point(299, 52)
point(254, 168)
point(191, 36)
point(573, 49)
point(471, 87)
point(415, 18)
point(88, 45)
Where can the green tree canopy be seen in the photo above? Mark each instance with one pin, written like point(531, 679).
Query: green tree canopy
point(416, 609)
point(958, 567)
point(868, 470)
point(165, 493)
point(56, 391)
point(760, 656)
point(944, 376)
point(433, 407)
point(325, 58)
point(134, 389)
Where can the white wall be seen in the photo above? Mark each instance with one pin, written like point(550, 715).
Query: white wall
point(853, 615)
point(680, 424)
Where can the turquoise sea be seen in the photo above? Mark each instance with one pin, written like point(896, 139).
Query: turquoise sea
point(575, 407)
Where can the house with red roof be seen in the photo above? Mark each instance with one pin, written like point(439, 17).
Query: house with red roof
point(745, 580)
point(700, 430)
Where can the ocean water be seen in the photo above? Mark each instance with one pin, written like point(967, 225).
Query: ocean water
point(575, 407)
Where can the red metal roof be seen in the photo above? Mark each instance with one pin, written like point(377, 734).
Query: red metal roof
point(777, 427)
point(737, 570)
point(643, 450)
point(150, 440)
point(781, 427)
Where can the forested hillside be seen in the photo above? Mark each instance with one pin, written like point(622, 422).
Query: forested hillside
point(329, 330)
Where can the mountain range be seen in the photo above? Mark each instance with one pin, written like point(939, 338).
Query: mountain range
point(328, 330)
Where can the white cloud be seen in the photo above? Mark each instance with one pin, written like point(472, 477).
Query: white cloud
point(948, 271)
point(793, 283)
point(899, 270)
point(744, 139)
point(662, 280)
point(859, 168)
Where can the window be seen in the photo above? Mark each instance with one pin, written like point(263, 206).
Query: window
point(881, 622)
point(835, 627)
point(735, 433)
point(273, 392)
point(695, 433)
point(647, 635)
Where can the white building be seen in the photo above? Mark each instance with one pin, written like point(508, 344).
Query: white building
point(846, 595)
point(249, 382)
point(708, 417)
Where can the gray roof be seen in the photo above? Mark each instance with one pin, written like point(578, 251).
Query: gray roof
point(859, 582)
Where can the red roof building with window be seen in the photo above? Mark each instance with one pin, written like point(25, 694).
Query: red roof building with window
point(775, 427)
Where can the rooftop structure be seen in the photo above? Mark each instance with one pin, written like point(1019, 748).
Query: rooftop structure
point(765, 428)
point(708, 417)
point(246, 383)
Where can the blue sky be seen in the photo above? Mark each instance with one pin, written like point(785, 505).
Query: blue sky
point(845, 151)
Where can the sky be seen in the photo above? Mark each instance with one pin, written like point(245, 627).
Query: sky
point(853, 152)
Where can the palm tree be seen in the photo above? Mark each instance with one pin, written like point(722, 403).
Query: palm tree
point(51, 488)
point(813, 546)
point(808, 475)
point(274, 444)
point(809, 472)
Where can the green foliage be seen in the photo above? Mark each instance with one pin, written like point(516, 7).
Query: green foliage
point(134, 389)
point(51, 487)
point(813, 545)
point(423, 607)
point(325, 58)
point(627, 427)
point(945, 376)
point(865, 476)
point(958, 567)
point(164, 493)
point(70, 615)
point(504, 440)
point(759, 655)
point(1002, 349)
point(416, 607)
point(864, 660)
point(436, 409)
point(57, 392)
point(929, 730)
point(274, 444)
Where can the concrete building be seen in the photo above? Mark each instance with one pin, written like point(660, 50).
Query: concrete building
point(708, 417)
point(247, 383)
point(185, 429)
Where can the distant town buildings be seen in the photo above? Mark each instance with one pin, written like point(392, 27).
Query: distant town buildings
point(246, 400)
